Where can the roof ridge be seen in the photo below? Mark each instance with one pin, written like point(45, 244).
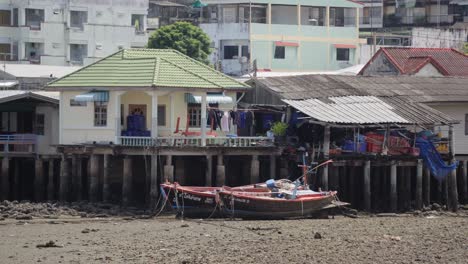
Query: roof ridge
point(394, 62)
point(191, 72)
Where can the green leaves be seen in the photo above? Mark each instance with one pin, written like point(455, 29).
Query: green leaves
point(183, 37)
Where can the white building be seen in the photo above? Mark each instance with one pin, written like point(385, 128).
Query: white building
point(69, 32)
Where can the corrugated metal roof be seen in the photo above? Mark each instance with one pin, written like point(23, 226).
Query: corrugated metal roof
point(10, 95)
point(368, 110)
point(418, 89)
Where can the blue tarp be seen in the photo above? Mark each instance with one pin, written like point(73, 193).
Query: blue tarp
point(432, 159)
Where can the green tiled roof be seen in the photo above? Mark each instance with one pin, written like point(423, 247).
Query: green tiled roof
point(146, 68)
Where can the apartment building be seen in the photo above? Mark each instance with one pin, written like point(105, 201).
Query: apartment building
point(69, 32)
point(282, 35)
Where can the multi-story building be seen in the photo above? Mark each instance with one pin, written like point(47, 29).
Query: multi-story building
point(281, 35)
point(69, 32)
point(371, 14)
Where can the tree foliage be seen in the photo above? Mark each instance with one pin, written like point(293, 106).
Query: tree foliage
point(184, 37)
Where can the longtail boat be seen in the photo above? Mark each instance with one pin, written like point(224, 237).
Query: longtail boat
point(270, 206)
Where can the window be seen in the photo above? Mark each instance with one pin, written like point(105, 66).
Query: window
point(34, 18)
point(78, 19)
point(314, 16)
point(77, 53)
point(231, 52)
point(245, 52)
point(194, 115)
point(40, 124)
point(161, 115)
point(280, 52)
point(342, 54)
point(5, 52)
point(5, 18)
point(73, 102)
point(466, 124)
point(138, 22)
point(100, 114)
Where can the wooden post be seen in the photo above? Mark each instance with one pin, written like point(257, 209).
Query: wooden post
point(209, 170)
point(16, 187)
point(272, 167)
point(203, 120)
point(50, 183)
point(464, 182)
point(180, 175)
point(169, 169)
point(393, 186)
point(106, 188)
point(326, 154)
point(255, 169)
point(352, 185)
point(452, 190)
point(78, 180)
point(220, 172)
point(154, 186)
point(64, 189)
point(367, 186)
point(38, 180)
point(427, 187)
point(93, 178)
point(5, 179)
point(127, 181)
point(419, 185)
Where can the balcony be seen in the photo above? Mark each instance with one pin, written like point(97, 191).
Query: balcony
point(18, 143)
point(231, 142)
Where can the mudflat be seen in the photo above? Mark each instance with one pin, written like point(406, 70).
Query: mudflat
point(367, 239)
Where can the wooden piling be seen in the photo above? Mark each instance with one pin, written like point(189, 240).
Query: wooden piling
point(427, 187)
point(452, 190)
point(254, 169)
point(64, 182)
point(352, 185)
point(180, 174)
point(209, 170)
point(367, 186)
point(393, 187)
point(272, 167)
point(154, 186)
point(464, 182)
point(169, 169)
point(5, 179)
point(50, 182)
point(93, 178)
point(106, 185)
point(127, 181)
point(220, 171)
point(77, 178)
point(419, 185)
point(326, 154)
point(38, 180)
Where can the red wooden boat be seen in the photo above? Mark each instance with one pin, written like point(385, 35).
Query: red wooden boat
point(265, 206)
point(196, 201)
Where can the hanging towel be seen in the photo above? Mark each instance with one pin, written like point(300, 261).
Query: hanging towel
point(225, 122)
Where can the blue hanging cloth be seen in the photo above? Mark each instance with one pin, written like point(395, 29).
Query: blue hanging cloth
point(432, 159)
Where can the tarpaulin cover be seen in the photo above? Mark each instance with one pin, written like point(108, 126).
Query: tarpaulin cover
point(432, 159)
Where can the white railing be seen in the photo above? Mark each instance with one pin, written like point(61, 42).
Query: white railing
point(18, 143)
point(196, 141)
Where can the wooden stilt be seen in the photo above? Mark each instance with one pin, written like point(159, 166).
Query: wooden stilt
point(393, 187)
point(64, 189)
point(39, 180)
point(127, 181)
point(352, 186)
point(407, 188)
point(50, 183)
point(254, 169)
point(272, 167)
point(419, 185)
point(220, 171)
point(93, 178)
point(326, 153)
point(209, 170)
point(367, 186)
point(106, 186)
point(78, 180)
point(169, 169)
point(16, 178)
point(464, 182)
point(452, 190)
point(5, 182)
point(154, 185)
point(427, 187)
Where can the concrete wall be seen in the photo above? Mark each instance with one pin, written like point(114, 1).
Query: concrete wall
point(439, 38)
point(429, 71)
point(381, 66)
point(45, 142)
point(107, 29)
point(77, 122)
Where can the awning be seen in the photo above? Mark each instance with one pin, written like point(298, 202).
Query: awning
point(286, 44)
point(94, 96)
point(8, 84)
point(344, 46)
point(210, 99)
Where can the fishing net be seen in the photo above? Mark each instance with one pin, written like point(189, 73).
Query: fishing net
point(432, 159)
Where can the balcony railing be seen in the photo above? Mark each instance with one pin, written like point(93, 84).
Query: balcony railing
point(196, 141)
point(18, 143)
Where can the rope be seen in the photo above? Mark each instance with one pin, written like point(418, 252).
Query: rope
point(164, 205)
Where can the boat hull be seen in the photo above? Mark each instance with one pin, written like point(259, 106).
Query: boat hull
point(244, 205)
point(192, 201)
